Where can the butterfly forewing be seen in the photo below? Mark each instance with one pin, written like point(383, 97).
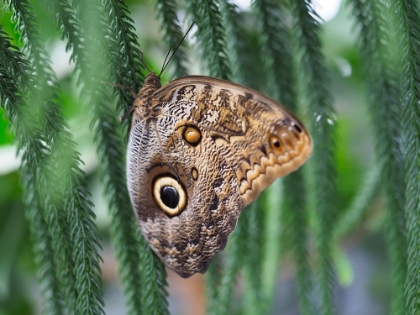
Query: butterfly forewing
point(259, 138)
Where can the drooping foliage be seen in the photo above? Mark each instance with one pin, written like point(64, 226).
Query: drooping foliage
point(274, 46)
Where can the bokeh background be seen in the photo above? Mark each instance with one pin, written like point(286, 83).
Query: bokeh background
point(363, 281)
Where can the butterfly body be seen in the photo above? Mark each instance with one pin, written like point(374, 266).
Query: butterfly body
point(200, 150)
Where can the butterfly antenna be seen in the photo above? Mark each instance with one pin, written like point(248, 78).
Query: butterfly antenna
point(167, 60)
point(128, 112)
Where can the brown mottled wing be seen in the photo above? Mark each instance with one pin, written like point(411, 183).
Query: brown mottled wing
point(185, 242)
point(259, 138)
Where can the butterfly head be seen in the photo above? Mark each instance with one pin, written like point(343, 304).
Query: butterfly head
point(143, 99)
point(152, 82)
point(143, 105)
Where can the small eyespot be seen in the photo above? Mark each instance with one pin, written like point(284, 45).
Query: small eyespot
point(274, 142)
point(170, 196)
point(297, 128)
point(192, 135)
point(194, 173)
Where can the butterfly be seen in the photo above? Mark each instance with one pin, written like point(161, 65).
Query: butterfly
point(200, 149)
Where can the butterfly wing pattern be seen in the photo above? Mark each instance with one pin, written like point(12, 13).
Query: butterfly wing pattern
point(200, 150)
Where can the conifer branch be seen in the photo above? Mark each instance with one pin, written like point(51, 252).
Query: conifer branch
point(172, 34)
point(296, 225)
point(30, 145)
point(408, 14)
point(51, 285)
point(126, 56)
point(154, 297)
point(272, 251)
point(384, 91)
point(61, 170)
point(254, 218)
point(323, 133)
point(153, 280)
point(123, 229)
point(278, 55)
point(235, 45)
point(211, 36)
point(276, 48)
point(125, 70)
point(212, 279)
point(232, 264)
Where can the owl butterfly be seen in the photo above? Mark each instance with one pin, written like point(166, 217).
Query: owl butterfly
point(201, 149)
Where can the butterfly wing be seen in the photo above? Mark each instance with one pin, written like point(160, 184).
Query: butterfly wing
point(185, 195)
point(260, 139)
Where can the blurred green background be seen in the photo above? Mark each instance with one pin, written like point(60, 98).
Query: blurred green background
point(364, 286)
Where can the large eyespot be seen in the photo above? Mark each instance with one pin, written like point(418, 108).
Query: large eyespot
point(169, 195)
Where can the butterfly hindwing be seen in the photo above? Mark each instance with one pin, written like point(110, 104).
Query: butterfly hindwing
point(188, 236)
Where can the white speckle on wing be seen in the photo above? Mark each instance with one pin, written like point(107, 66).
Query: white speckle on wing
point(212, 116)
